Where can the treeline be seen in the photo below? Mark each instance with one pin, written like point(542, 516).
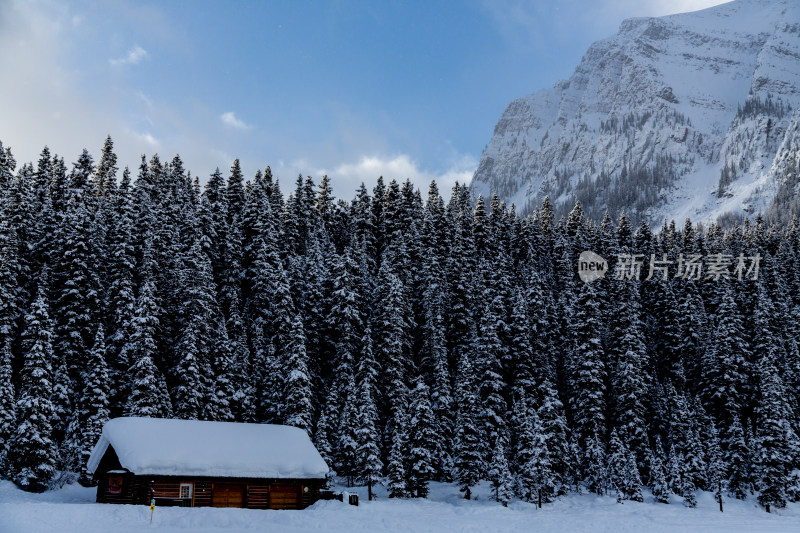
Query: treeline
point(414, 340)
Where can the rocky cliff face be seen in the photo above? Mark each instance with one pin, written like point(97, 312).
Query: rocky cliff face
point(689, 115)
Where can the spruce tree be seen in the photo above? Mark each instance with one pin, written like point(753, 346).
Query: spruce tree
point(397, 469)
point(632, 481)
point(467, 460)
point(674, 470)
point(492, 386)
point(525, 371)
point(94, 402)
point(32, 452)
point(688, 488)
point(617, 462)
point(7, 407)
point(555, 431)
point(188, 394)
point(222, 387)
point(500, 475)
point(392, 331)
point(658, 478)
point(534, 472)
point(630, 375)
point(724, 367)
point(77, 302)
point(194, 394)
point(589, 372)
point(11, 292)
point(345, 326)
point(594, 465)
point(322, 439)
point(120, 297)
point(346, 453)
point(367, 438)
point(735, 457)
point(146, 398)
point(435, 350)
point(771, 433)
point(421, 441)
point(695, 461)
point(63, 412)
point(298, 392)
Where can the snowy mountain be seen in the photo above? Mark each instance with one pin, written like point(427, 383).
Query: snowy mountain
point(690, 115)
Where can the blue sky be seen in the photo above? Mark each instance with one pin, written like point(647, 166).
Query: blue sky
point(348, 88)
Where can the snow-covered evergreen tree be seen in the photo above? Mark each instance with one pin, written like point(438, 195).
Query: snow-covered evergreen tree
point(772, 452)
point(658, 477)
point(500, 474)
point(397, 468)
point(298, 392)
point(421, 441)
point(630, 376)
point(7, 407)
point(366, 431)
point(468, 463)
point(555, 431)
point(147, 394)
point(589, 374)
point(94, 402)
point(594, 461)
point(32, 452)
point(534, 471)
point(346, 453)
point(491, 389)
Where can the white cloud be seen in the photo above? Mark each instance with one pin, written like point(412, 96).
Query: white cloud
point(530, 24)
point(135, 55)
point(348, 176)
point(53, 104)
point(145, 99)
point(147, 138)
point(657, 8)
point(230, 119)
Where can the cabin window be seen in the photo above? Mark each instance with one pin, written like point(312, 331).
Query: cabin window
point(115, 484)
point(186, 490)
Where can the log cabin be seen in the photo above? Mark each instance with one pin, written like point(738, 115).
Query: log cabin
point(194, 463)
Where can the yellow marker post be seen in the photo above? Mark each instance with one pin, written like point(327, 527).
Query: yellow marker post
point(152, 508)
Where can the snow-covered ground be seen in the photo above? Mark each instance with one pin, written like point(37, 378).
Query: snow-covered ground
point(72, 509)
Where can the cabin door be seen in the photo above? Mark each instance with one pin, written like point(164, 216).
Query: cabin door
point(227, 495)
point(284, 496)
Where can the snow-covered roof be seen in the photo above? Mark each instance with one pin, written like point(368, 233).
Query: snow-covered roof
point(158, 446)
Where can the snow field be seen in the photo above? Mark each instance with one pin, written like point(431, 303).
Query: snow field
point(73, 510)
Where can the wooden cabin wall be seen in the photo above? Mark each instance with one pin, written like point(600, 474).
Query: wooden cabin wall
point(257, 495)
point(165, 488)
point(202, 493)
point(140, 489)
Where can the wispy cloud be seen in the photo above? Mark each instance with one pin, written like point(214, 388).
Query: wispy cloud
point(134, 56)
point(530, 24)
point(655, 8)
point(401, 167)
point(147, 138)
point(57, 103)
point(229, 119)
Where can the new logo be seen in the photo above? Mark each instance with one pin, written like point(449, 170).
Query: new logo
point(591, 266)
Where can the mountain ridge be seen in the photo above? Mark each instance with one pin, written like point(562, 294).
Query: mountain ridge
point(688, 115)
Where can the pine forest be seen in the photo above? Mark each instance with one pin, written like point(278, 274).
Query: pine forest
point(415, 339)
